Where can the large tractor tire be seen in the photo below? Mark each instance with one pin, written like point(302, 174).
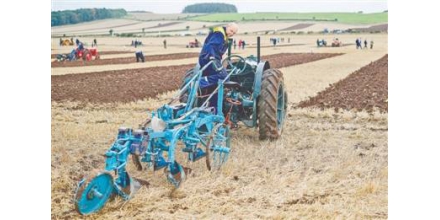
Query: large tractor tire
point(86, 56)
point(188, 75)
point(272, 105)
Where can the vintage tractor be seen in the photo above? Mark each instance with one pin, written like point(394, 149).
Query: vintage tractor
point(86, 54)
point(76, 54)
point(66, 42)
point(193, 44)
point(252, 93)
point(336, 43)
point(321, 43)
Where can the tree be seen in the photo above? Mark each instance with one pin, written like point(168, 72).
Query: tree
point(82, 15)
point(111, 32)
point(187, 28)
point(210, 8)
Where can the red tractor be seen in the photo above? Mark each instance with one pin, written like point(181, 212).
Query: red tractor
point(193, 44)
point(336, 43)
point(87, 54)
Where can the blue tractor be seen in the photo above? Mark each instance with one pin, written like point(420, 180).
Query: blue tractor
point(252, 93)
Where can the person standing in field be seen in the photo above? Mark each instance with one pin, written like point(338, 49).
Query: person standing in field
point(371, 44)
point(365, 44)
point(165, 43)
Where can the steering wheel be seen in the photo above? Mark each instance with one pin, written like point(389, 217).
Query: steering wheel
point(229, 61)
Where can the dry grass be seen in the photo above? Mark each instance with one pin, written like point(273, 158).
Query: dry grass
point(326, 165)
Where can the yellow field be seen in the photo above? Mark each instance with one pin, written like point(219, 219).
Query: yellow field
point(326, 165)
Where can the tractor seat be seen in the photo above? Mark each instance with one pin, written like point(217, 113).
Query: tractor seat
point(232, 85)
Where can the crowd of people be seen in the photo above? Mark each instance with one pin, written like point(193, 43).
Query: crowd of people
point(241, 44)
point(359, 44)
point(136, 43)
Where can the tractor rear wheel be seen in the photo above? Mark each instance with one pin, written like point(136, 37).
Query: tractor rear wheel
point(188, 75)
point(86, 55)
point(272, 104)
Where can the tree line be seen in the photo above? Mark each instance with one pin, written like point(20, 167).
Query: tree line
point(210, 8)
point(83, 15)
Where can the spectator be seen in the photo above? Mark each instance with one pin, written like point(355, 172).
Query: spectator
point(365, 44)
point(139, 56)
point(165, 43)
point(371, 44)
point(243, 44)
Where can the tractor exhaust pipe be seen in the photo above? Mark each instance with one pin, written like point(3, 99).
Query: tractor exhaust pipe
point(229, 47)
point(258, 49)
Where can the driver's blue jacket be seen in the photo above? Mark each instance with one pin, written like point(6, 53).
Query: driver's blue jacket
point(216, 44)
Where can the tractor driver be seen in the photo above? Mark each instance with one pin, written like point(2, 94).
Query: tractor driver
point(216, 44)
point(80, 46)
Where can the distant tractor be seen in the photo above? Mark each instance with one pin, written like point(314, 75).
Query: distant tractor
point(66, 42)
point(193, 44)
point(321, 43)
point(336, 43)
point(87, 54)
point(76, 54)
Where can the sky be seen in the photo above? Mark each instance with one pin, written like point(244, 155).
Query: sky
point(244, 6)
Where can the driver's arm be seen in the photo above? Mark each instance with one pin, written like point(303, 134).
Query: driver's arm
point(214, 46)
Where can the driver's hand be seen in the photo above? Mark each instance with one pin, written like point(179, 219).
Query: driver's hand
point(217, 64)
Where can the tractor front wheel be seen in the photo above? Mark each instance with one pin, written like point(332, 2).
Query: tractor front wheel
point(272, 104)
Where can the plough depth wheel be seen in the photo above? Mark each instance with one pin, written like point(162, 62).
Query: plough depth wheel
point(93, 192)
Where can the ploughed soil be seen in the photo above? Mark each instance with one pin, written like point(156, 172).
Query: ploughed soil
point(124, 60)
point(297, 27)
point(136, 84)
point(164, 25)
point(374, 28)
point(53, 56)
point(365, 89)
